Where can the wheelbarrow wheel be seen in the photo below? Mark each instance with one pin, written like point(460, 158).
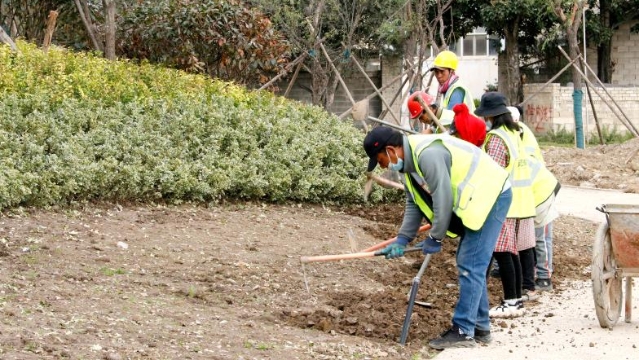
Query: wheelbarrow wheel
point(606, 285)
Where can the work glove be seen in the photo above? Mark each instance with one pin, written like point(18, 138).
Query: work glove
point(395, 249)
point(431, 245)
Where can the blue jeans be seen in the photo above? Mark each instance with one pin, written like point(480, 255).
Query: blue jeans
point(543, 251)
point(473, 256)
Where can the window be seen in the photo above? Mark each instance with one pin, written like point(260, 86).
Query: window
point(481, 45)
point(468, 45)
point(475, 45)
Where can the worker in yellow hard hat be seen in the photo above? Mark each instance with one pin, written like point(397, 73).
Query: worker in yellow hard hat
point(450, 87)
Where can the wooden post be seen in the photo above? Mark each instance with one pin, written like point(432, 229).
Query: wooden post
point(278, 76)
point(361, 69)
point(548, 82)
point(370, 96)
point(430, 114)
point(624, 119)
point(611, 98)
point(594, 114)
point(293, 79)
point(48, 33)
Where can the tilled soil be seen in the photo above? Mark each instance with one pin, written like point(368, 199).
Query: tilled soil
point(225, 282)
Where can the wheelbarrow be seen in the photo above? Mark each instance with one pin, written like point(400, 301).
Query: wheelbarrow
point(615, 255)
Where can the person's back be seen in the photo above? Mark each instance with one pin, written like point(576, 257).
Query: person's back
point(545, 188)
point(465, 182)
point(514, 251)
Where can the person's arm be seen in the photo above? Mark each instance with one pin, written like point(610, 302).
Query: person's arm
point(435, 162)
point(412, 220)
point(497, 150)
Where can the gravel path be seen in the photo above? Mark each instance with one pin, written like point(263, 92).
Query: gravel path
point(565, 326)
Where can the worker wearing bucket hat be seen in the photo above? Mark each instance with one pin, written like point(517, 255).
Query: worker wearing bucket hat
point(514, 251)
point(545, 189)
point(463, 182)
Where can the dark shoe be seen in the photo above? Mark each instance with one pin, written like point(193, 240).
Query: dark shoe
point(494, 272)
point(453, 338)
point(543, 285)
point(529, 295)
point(483, 336)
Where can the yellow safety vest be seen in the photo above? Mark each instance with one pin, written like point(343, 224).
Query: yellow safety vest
point(519, 172)
point(421, 203)
point(544, 182)
point(468, 98)
point(476, 180)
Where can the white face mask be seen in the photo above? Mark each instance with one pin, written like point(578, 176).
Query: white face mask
point(489, 125)
point(399, 166)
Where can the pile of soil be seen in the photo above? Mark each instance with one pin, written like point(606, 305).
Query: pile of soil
point(613, 166)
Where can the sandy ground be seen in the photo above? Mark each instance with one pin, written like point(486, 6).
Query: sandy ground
point(565, 325)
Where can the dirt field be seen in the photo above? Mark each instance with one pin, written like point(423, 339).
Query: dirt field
point(106, 281)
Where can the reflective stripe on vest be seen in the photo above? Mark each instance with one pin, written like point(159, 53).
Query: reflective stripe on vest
point(468, 99)
point(476, 180)
point(519, 172)
point(544, 182)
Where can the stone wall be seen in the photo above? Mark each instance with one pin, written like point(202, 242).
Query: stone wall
point(552, 108)
point(625, 53)
point(358, 86)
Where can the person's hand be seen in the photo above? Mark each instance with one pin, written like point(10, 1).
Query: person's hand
point(393, 251)
point(431, 245)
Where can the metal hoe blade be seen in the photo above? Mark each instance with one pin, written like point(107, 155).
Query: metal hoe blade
point(411, 300)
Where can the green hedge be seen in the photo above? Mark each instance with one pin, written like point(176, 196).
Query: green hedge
point(75, 127)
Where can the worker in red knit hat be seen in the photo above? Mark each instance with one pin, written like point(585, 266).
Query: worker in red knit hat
point(467, 126)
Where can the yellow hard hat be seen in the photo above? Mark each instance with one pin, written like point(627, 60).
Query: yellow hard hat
point(445, 60)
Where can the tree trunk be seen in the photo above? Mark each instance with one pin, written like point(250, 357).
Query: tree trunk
point(109, 39)
point(573, 47)
point(514, 91)
point(319, 79)
point(604, 58)
point(85, 15)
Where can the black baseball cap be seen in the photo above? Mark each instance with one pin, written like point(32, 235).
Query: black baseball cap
point(376, 141)
point(492, 104)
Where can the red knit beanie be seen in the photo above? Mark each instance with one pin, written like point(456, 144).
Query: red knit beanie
point(468, 127)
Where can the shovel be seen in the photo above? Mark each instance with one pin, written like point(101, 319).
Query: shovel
point(411, 299)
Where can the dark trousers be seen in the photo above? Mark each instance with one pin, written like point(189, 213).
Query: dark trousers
point(510, 273)
point(527, 259)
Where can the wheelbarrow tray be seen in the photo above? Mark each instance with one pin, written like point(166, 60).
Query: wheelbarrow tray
point(623, 222)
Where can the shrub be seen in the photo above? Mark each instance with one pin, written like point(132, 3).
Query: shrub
point(74, 127)
point(224, 39)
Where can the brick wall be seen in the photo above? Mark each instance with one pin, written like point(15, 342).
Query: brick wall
point(552, 108)
point(625, 55)
point(358, 86)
